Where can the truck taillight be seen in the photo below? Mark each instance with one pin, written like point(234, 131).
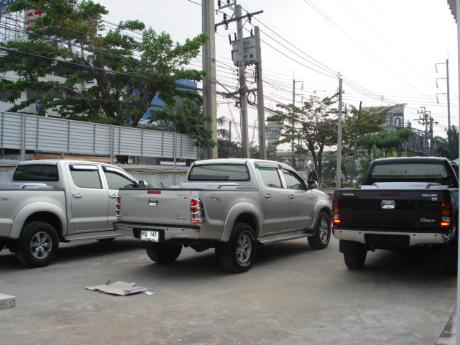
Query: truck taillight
point(117, 207)
point(336, 211)
point(196, 211)
point(446, 213)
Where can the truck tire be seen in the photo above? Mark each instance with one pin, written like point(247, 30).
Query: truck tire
point(38, 244)
point(163, 253)
point(239, 253)
point(322, 236)
point(2, 245)
point(354, 254)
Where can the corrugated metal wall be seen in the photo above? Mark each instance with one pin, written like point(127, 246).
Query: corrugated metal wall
point(46, 134)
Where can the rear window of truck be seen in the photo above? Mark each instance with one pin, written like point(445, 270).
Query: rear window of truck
point(429, 172)
point(219, 172)
point(36, 172)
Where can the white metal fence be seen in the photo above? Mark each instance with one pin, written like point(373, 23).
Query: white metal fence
point(43, 134)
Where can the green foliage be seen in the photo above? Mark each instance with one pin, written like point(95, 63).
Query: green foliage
point(359, 123)
point(387, 141)
point(185, 116)
point(100, 74)
point(314, 125)
point(447, 147)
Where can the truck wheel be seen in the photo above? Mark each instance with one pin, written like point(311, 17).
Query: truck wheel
point(2, 245)
point(38, 244)
point(320, 239)
point(163, 253)
point(239, 253)
point(354, 254)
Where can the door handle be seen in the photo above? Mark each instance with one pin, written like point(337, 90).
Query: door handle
point(291, 196)
point(77, 196)
point(113, 196)
point(268, 196)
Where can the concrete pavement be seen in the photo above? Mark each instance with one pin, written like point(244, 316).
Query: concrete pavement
point(293, 295)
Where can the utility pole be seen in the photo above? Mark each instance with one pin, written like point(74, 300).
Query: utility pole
point(209, 66)
point(338, 182)
point(355, 143)
point(260, 98)
point(457, 7)
point(447, 93)
point(243, 88)
point(427, 120)
point(230, 130)
point(294, 83)
point(241, 61)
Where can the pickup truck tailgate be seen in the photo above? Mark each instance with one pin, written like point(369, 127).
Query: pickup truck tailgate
point(391, 209)
point(167, 207)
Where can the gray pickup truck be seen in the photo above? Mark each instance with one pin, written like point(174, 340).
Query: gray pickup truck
point(55, 200)
point(231, 205)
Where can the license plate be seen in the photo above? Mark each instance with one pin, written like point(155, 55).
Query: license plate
point(149, 235)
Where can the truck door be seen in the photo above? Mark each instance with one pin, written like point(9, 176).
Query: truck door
point(88, 199)
point(274, 199)
point(116, 180)
point(301, 206)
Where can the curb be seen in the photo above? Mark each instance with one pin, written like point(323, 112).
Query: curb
point(7, 302)
point(448, 335)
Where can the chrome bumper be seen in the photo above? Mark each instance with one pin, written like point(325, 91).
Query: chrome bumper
point(414, 238)
point(168, 233)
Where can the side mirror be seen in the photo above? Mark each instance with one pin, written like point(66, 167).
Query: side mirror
point(312, 184)
point(143, 184)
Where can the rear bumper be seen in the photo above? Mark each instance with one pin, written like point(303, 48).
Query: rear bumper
point(168, 232)
point(415, 238)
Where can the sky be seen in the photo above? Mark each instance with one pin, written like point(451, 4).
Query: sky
point(385, 51)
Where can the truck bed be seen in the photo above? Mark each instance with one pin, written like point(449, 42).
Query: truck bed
point(396, 210)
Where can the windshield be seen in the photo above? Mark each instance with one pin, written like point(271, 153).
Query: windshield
point(422, 172)
point(219, 172)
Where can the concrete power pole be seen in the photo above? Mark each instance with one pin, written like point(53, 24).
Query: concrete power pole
point(446, 63)
point(448, 94)
point(260, 98)
point(457, 6)
point(338, 181)
point(209, 66)
point(242, 79)
point(293, 124)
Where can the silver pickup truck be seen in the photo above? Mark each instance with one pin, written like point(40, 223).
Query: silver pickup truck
point(231, 205)
point(52, 200)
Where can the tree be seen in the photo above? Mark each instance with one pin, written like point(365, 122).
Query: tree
point(447, 147)
point(390, 142)
point(100, 74)
point(358, 123)
point(313, 126)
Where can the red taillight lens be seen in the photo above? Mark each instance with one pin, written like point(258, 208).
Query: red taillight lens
point(446, 212)
point(196, 211)
point(335, 211)
point(446, 208)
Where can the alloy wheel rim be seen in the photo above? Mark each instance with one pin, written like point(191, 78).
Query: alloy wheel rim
point(244, 249)
point(324, 231)
point(41, 245)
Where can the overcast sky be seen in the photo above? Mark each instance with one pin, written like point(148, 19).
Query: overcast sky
point(383, 49)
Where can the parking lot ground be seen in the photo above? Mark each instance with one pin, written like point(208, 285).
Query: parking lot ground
point(293, 295)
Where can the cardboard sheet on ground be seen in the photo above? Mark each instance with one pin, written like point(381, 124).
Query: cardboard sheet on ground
point(119, 288)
